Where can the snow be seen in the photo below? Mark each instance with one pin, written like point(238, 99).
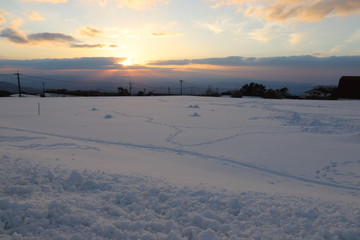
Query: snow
point(152, 168)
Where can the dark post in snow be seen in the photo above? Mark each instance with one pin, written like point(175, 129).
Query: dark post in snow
point(18, 78)
point(181, 83)
point(38, 108)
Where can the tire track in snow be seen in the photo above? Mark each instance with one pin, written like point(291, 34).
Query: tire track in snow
point(191, 153)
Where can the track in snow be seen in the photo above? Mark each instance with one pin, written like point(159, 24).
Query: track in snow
point(187, 152)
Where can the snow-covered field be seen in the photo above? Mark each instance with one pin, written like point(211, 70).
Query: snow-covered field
point(179, 168)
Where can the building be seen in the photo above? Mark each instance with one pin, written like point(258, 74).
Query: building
point(349, 87)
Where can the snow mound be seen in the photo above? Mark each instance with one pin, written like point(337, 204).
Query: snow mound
point(193, 106)
point(195, 114)
point(43, 202)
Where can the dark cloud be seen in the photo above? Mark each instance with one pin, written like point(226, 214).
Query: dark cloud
point(228, 61)
point(90, 32)
point(112, 63)
point(18, 37)
point(101, 63)
point(50, 37)
point(87, 45)
point(294, 61)
point(171, 62)
point(14, 36)
point(93, 46)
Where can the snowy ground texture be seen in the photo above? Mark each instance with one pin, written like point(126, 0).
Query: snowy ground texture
point(179, 168)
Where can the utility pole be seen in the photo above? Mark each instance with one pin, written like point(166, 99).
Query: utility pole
point(18, 78)
point(130, 87)
point(43, 88)
point(181, 83)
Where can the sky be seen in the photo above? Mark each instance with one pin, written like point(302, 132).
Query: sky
point(233, 41)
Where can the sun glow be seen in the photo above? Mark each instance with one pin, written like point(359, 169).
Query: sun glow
point(128, 62)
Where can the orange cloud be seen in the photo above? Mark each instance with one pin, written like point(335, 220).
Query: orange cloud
point(301, 10)
point(140, 4)
point(90, 32)
point(2, 19)
point(165, 34)
point(34, 16)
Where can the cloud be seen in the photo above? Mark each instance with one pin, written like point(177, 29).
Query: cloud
point(34, 16)
point(87, 45)
point(50, 37)
point(14, 36)
point(2, 17)
point(165, 34)
point(140, 4)
point(2, 20)
point(265, 34)
point(171, 62)
point(16, 23)
point(100, 63)
point(90, 32)
point(296, 38)
point(289, 61)
point(216, 27)
point(7, 17)
point(47, 1)
point(163, 30)
point(18, 37)
point(301, 10)
point(237, 69)
point(93, 46)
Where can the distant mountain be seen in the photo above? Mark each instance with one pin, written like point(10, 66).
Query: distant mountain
point(13, 88)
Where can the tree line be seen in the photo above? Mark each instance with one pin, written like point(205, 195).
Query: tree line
point(260, 90)
point(250, 89)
